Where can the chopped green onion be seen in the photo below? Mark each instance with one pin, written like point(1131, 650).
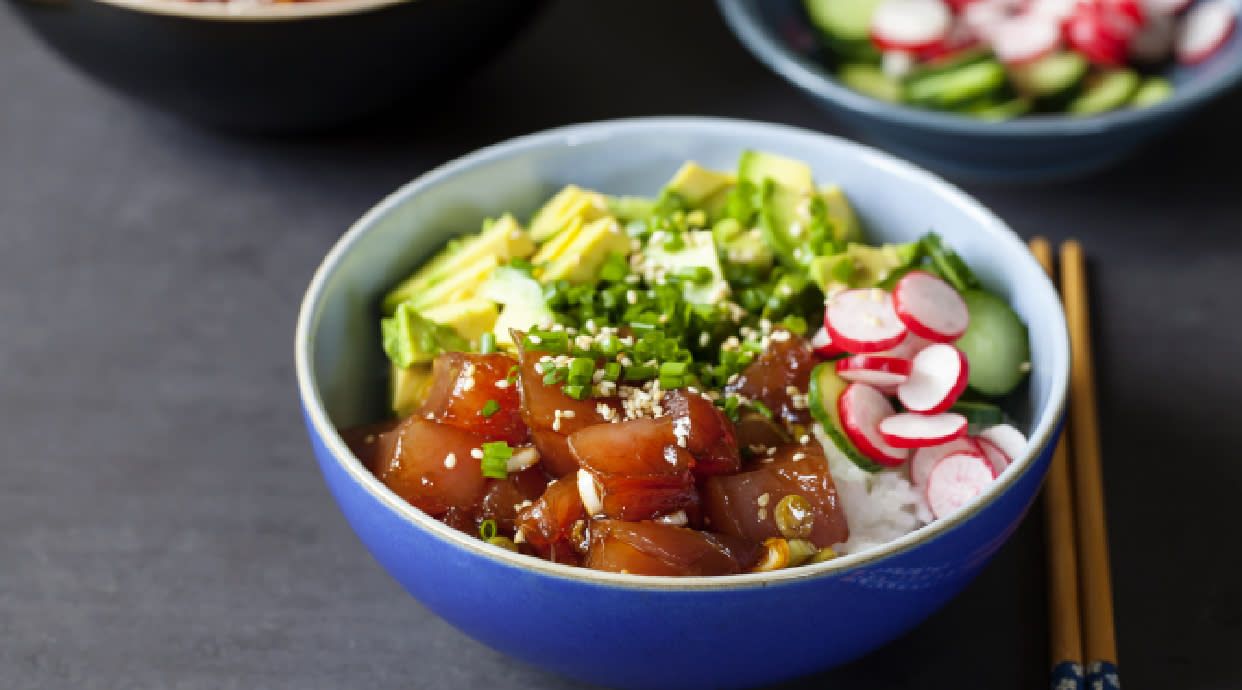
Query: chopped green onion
point(490, 408)
point(487, 530)
point(581, 369)
point(495, 462)
point(612, 371)
point(553, 377)
point(761, 408)
point(795, 324)
point(673, 368)
point(577, 391)
point(487, 343)
point(640, 372)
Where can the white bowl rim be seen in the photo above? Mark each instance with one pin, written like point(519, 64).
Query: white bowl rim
point(249, 10)
point(568, 135)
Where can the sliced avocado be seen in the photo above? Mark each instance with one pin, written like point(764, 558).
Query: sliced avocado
point(1107, 91)
point(862, 265)
point(757, 166)
point(845, 225)
point(555, 247)
point(698, 251)
point(459, 286)
point(786, 187)
point(569, 204)
point(741, 246)
point(581, 258)
point(501, 239)
point(702, 188)
point(1152, 91)
point(524, 304)
point(631, 208)
point(409, 338)
point(408, 388)
point(471, 318)
point(870, 80)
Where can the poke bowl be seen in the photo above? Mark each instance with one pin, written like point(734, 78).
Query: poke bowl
point(1055, 97)
point(261, 65)
point(675, 584)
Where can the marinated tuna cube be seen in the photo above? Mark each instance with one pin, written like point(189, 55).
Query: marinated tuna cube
point(476, 393)
point(779, 377)
point(702, 429)
point(552, 416)
point(651, 548)
point(432, 466)
point(639, 470)
point(555, 522)
point(748, 505)
point(371, 443)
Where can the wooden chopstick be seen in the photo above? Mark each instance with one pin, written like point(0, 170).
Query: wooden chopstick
point(1065, 635)
point(1095, 578)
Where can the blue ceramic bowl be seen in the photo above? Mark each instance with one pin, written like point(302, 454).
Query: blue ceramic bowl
point(1026, 149)
point(659, 632)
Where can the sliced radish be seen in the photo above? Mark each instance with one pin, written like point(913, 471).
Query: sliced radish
point(1025, 38)
point(909, 24)
point(1057, 10)
point(908, 430)
point(930, 307)
point(909, 347)
point(925, 459)
point(1010, 441)
point(874, 370)
point(994, 455)
point(862, 408)
point(822, 343)
point(1088, 33)
point(938, 376)
point(897, 64)
point(1165, 7)
point(1129, 10)
point(863, 321)
point(959, 38)
point(1154, 42)
point(1204, 31)
point(983, 17)
point(955, 481)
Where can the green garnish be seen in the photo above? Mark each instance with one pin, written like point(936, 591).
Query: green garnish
point(487, 343)
point(490, 408)
point(495, 463)
point(761, 408)
point(487, 530)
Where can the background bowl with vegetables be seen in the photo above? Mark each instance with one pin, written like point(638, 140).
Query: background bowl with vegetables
point(1001, 90)
point(630, 630)
point(276, 65)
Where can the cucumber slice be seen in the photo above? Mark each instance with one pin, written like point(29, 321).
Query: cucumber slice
point(979, 414)
point(998, 112)
point(1050, 78)
point(957, 87)
point(949, 63)
point(995, 344)
point(948, 264)
point(871, 81)
point(822, 395)
point(844, 22)
point(1152, 91)
point(1109, 91)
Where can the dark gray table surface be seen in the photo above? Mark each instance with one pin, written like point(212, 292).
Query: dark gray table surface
point(161, 521)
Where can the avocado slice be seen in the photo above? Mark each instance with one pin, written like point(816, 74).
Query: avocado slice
point(580, 259)
point(785, 189)
point(570, 204)
point(698, 250)
point(459, 286)
point(524, 304)
point(501, 239)
point(845, 225)
point(861, 265)
point(471, 318)
point(409, 338)
point(702, 188)
point(757, 166)
point(408, 388)
point(631, 208)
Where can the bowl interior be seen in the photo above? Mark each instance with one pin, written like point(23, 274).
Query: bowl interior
point(782, 35)
point(338, 334)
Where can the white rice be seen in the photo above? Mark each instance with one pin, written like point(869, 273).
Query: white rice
point(879, 507)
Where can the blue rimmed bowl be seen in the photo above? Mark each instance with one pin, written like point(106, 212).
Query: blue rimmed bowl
point(658, 632)
point(1026, 149)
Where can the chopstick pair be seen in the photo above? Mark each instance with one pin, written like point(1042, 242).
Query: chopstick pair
point(1080, 596)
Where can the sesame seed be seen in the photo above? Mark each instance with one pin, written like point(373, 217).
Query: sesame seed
point(568, 414)
point(705, 339)
point(771, 452)
point(519, 536)
point(370, 438)
point(799, 456)
point(503, 383)
point(780, 336)
point(805, 439)
point(764, 499)
point(450, 460)
point(534, 339)
point(762, 513)
point(476, 453)
point(631, 297)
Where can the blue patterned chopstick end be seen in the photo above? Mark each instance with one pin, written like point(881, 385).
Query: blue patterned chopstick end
point(1102, 675)
point(1067, 675)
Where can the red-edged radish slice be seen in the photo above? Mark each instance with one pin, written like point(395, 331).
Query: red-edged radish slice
point(983, 17)
point(897, 64)
point(908, 430)
point(959, 38)
point(1204, 30)
point(1088, 33)
point(874, 370)
point(1010, 441)
point(909, 24)
point(909, 347)
point(863, 321)
point(930, 307)
point(955, 481)
point(1165, 7)
point(995, 455)
point(938, 376)
point(1154, 42)
point(1130, 10)
point(925, 459)
point(1025, 38)
point(822, 343)
point(861, 409)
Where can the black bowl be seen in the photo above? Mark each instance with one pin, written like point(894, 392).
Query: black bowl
point(277, 66)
